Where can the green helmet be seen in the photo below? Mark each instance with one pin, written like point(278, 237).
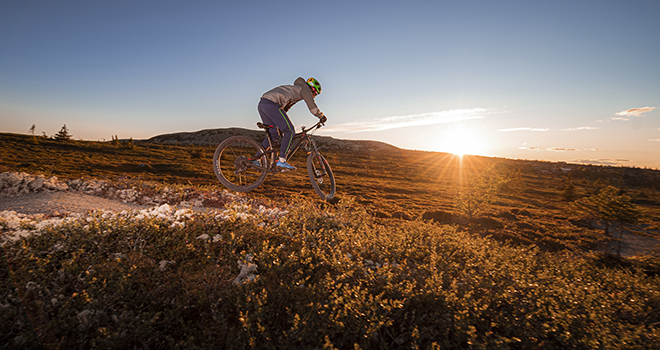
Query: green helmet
point(313, 83)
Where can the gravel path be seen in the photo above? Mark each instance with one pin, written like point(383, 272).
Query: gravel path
point(62, 202)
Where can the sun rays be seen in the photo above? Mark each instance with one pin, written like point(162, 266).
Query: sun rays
point(450, 171)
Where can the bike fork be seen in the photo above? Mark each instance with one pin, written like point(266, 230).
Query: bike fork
point(323, 172)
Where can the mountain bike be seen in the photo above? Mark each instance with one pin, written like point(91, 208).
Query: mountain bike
point(242, 164)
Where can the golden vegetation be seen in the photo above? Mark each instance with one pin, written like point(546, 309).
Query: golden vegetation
point(422, 250)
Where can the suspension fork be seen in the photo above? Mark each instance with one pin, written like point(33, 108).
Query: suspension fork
point(317, 154)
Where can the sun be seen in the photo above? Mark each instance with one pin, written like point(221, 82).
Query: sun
point(461, 141)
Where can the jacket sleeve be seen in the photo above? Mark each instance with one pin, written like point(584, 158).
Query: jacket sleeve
point(306, 93)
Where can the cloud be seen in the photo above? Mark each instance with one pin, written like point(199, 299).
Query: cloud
point(379, 124)
point(524, 129)
point(620, 118)
point(654, 140)
point(581, 128)
point(551, 149)
point(556, 149)
point(601, 161)
point(635, 112)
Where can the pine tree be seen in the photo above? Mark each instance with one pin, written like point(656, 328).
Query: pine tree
point(568, 193)
point(63, 134)
point(624, 212)
point(611, 208)
point(478, 194)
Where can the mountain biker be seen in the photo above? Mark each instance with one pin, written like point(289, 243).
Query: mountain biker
point(275, 104)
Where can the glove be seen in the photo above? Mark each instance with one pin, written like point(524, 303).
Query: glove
point(323, 118)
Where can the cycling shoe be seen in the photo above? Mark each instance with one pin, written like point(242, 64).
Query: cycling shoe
point(285, 165)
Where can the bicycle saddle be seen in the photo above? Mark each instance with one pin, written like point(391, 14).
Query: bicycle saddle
point(264, 126)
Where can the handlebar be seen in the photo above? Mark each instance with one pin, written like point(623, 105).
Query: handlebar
point(315, 126)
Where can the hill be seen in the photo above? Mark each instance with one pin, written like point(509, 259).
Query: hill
point(215, 136)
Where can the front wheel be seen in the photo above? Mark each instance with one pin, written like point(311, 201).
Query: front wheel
point(321, 176)
point(235, 165)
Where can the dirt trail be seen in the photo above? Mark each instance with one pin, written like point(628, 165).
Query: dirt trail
point(62, 202)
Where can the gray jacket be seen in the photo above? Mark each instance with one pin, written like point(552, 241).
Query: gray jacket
point(288, 95)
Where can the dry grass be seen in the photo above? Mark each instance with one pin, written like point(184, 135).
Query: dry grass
point(396, 184)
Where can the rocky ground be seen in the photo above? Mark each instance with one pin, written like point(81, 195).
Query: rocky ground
point(36, 194)
point(31, 202)
point(37, 200)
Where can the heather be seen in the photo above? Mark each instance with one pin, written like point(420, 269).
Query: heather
point(310, 275)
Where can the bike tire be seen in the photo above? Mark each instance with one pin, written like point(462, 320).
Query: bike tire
point(321, 176)
point(232, 166)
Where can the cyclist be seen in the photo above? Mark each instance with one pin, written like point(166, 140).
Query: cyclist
point(275, 104)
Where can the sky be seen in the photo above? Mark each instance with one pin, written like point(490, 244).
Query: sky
point(574, 81)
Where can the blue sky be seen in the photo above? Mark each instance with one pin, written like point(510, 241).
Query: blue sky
point(521, 79)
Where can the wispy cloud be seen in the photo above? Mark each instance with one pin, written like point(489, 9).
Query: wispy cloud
point(581, 128)
point(601, 161)
point(635, 112)
point(654, 140)
point(524, 129)
point(551, 149)
point(386, 123)
point(556, 149)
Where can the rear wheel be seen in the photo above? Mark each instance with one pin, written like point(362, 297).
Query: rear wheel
point(233, 164)
point(321, 176)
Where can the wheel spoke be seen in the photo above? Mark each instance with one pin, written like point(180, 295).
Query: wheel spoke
point(321, 176)
point(233, 166)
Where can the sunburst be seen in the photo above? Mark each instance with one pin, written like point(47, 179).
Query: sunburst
point(462, 141)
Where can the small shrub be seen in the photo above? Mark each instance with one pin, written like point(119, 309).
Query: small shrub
point(401, 215)
point(488, 223)
point(130, 144)
point(198, 153)
point(438, 216)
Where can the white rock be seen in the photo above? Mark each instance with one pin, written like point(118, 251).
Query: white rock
point(10, 180)
point(36, 184)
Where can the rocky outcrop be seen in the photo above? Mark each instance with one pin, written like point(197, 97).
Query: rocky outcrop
point(15, 184)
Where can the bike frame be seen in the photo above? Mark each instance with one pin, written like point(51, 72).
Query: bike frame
point(303, 139)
